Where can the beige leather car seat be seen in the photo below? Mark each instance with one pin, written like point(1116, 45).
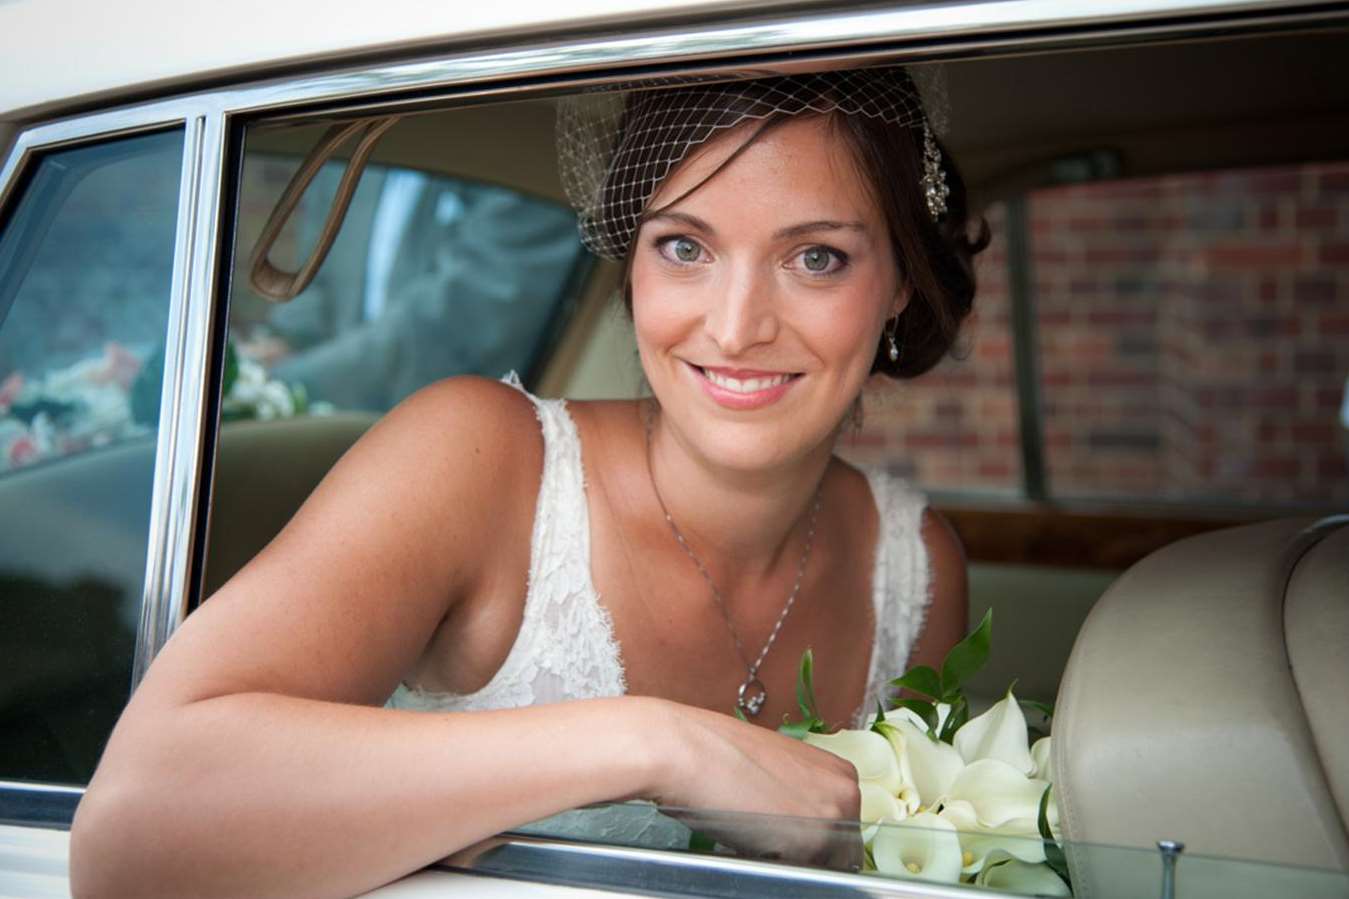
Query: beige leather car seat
point(264, 472)
point(1206, 700)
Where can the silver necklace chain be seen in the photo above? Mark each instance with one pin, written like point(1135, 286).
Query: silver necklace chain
point(752, 694)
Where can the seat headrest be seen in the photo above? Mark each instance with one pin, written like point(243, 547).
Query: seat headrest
point(1179, 718)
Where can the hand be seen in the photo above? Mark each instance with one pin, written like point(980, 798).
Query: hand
point(708, 762)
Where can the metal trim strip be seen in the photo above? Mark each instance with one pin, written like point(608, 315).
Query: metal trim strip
point(669, 873)
point(184, 398)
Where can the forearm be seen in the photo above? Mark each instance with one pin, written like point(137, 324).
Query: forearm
point(260, 794)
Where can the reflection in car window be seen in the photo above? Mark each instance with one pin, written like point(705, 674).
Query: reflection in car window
point(430, 276)
point(85, 277)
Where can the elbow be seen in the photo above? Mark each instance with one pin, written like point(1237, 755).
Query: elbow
point(103, 841)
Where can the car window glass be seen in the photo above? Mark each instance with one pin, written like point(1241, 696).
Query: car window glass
point(1194, 333)
point(85, 275)
point(430, 276)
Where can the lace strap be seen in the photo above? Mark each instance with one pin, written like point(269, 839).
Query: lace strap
point(901, 579)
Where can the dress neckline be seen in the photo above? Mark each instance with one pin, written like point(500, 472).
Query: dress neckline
point(878, 595)
point(554, 412)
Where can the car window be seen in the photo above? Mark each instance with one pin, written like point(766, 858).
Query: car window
point(430, 276)
point(1195, 336)
point(85, 275)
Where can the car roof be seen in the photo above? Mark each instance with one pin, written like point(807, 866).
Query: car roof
point(56, 59)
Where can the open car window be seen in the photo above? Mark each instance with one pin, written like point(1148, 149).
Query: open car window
point(430, 276)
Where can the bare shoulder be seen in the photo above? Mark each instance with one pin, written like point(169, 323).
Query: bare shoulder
point(947, 618)
point(945, 552)
point(413, 518)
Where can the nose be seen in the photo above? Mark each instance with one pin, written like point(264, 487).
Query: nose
point(745, 314)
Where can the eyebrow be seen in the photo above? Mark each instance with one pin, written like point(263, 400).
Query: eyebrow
point(821, 225)
point(696, 223)
point(683, 218)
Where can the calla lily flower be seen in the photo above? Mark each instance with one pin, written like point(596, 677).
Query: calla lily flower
point(999, 794)
point(932, 765)
point(1039, 754)
point(870, 754)
point(1003, 872)
point(924, 846)
point(877, 806)
point(999, 733)
point(978, 843)
point(943, 709)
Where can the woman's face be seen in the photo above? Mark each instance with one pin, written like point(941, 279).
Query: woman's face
point(759, 299)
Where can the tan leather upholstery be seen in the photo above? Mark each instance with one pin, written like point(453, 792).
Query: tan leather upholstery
point(1179, 717)
point(264, 472)
point(1316, 620)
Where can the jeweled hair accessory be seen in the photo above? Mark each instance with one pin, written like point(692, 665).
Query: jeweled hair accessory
point(615, 148)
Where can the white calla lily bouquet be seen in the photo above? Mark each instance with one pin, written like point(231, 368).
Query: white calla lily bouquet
point(945, 796)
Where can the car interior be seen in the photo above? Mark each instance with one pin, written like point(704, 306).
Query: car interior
point(1111, 602)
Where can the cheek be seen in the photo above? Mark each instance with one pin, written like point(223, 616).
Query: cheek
point(658, 317)
point(849, 330)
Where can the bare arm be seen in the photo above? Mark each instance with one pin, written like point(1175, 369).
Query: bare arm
point(254, 759)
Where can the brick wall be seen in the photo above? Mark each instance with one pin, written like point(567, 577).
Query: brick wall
point(1194, 344)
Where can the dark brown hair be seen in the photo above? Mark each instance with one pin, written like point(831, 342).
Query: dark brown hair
point(934, 259)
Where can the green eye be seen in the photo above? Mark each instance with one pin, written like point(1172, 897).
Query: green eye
point(816, 259)
point(686, 250)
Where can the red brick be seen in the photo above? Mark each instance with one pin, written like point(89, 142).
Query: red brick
point(1332, 324)
point(998, 471)
point(1315, 363)
point(1274, 181)
point(1116, 318)
point(1269, 289)
point(1327, 398)
point(1318, 288)
point(1336, 253)
point(1122, 378)
point(1308, 433)
point(1122, 255)
point(1333, 181)
point(1277, 468)
point(940, 440)
point(1253, 255)
point(1332, 468)
point(1317, 218)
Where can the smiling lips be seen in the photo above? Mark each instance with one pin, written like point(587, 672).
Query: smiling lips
point(737, 388)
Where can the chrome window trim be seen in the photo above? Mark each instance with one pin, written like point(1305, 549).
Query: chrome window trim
point(184, 399)
point(927, 30)
point(669, 873)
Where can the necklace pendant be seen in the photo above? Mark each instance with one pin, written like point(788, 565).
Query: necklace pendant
point(753, 694)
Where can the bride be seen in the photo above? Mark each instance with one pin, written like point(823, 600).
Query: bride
point(385, 682)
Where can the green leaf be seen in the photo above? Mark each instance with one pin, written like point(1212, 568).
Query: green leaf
point(701, 842)
point(921, 679)
point(1054, 856)
point(965, 658)
point(231, 372)
point(955, 719)
point(805, 686)
point(925, 710)
point(1044, 708)
point(797, 730)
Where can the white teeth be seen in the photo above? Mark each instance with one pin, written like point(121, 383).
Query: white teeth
point(748, 385)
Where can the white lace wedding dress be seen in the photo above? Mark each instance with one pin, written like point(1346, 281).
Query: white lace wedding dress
point(566, 649)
